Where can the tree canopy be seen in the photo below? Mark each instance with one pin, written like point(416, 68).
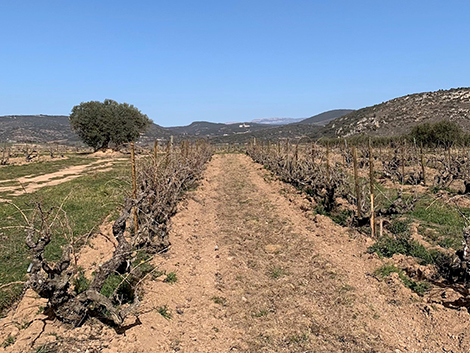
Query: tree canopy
point(444, 133)
point(100, 123)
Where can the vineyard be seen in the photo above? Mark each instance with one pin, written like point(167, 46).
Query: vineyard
point(326, 246)
point(141, 230)
point(412, 201)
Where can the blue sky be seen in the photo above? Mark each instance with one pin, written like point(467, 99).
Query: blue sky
point(227, 60)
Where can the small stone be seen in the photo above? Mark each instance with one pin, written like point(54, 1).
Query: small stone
point(216, 248)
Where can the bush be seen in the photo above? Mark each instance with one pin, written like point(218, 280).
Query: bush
point(444, 133)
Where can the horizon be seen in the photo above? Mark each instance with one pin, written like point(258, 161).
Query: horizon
point(228, 62)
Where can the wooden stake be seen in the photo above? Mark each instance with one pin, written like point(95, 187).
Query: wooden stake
point(296, 153)
point(356, 183)
point(168, 153)
point(403, 162)
point(328, 161)
point(134, 186)
point(371, 179)
point(313, 152)
point(155, 152)
point(422, 163)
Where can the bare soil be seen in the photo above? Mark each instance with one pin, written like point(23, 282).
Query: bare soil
point(256, 272)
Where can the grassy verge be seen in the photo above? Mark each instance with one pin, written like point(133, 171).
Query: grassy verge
point(440, 223)
point(89, 199)
point(386, 270)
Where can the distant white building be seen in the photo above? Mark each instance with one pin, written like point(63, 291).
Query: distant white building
point(243, 125)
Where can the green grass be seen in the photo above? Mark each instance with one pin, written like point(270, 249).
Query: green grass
point(90, 199)
point(441, 219)
point(165, 312)
point(399, 226)
point(428, 210)
point(80, 283)
point(278, 272)
point(387, 269)
point(260, 313)
point(171, 278)
point(142, 262)
point(387, 246)
point(343, 218)
point(117, 283)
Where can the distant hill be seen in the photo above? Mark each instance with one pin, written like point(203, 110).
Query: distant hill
point(399, 115)
point(207, 129)
point(52, 128)
point(326, 117)
point(36, 129)
point(290, 131)
point(276, 121)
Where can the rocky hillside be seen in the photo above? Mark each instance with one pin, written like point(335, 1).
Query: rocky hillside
point(36, 128)
point(397, 116)
point(324, 118)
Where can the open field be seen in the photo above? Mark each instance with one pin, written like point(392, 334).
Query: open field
point(91, 188)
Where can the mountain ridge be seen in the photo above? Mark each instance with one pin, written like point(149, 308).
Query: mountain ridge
point(398, 115)
point(390, 118)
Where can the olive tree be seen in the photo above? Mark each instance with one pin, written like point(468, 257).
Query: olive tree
point(100, 123)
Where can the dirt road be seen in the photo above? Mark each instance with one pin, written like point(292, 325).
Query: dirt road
point(257, 272)
point(32, 183)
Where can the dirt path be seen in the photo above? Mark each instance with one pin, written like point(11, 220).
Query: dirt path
point(255, 274)
point(29, 184)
